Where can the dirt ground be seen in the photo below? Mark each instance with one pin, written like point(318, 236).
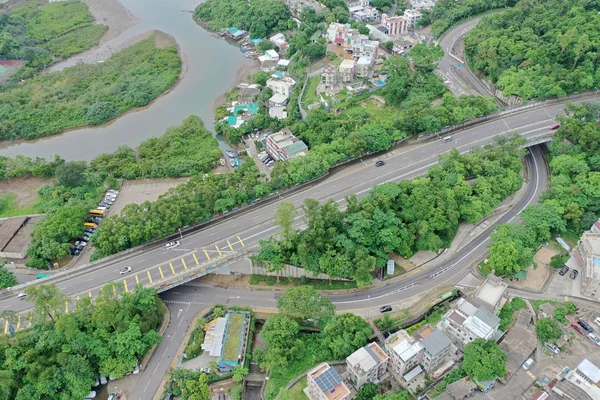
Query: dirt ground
point(113, 14)
point(24, 188)
point(538, 273)
point(141, 191)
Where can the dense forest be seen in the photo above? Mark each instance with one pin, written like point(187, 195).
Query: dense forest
point(43, 34)
point(402, 218)
point(446, 13)
point(62, 355)
point(259, 17)
point(539, 48)
point(87, 94)
point(572, 202)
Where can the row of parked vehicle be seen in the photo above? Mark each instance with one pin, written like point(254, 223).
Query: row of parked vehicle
point(564, 271)
point(91, 224)
point(266, 158)
point(586, 329)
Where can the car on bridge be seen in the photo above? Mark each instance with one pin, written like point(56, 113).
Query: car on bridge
point(385, 309)
point(380, 163)
point(173, 244)
point(554, 127)
point(125, 270)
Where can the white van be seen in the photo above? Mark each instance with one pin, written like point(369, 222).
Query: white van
point(527, 364)
point(447, 139)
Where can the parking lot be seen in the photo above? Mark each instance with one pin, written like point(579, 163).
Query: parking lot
point(142, 190)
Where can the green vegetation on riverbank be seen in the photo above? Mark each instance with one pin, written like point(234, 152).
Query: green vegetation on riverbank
point(41, 34)
point(62, 355)
point(259, 17)
point(405, 217)
point(87, 94)
point(570, 205)
point(183, 150)
point(539, 49)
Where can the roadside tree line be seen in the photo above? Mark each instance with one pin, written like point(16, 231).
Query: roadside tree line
point(570, 205)
point(401, 218)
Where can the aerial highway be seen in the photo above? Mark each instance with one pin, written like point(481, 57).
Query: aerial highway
point(243, 231)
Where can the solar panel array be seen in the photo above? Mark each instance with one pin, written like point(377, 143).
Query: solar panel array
point(328, 380)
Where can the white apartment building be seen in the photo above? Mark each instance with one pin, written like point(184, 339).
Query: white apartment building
point(363, 47)
point(280, 84)
point(465, 323)
point(366, 365)
point(404, 351)
point(412, 17)
point(586, 377)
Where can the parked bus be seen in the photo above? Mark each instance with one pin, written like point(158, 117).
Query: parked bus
point(42, 276)
point(97, 213)
point(90, 225)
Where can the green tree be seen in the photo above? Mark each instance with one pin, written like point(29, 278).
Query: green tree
point(239, 371)
point(367, 392)
point(304, 302)
point(571, 307)
point(548, 329)
point(7, 278)
point(426, 57)
point(344, 333)
point(559, 260)
point(484, 360)
point(196, 389)
point(71, 174)
point(48, 301)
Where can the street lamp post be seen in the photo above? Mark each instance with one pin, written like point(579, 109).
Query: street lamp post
point(180, 233)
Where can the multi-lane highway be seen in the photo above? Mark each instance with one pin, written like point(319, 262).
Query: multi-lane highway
point(245, 230)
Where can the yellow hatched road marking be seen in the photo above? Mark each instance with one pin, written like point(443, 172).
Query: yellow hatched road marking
point(207, 256)
point(218, 251)
point(241, 242)
point(66, 307)
point(30, 318)
point(184, 264)
point(195, 259)
point(161, 273)
point(172, 269)
point(229, 244)
point(125, 284)
point(19, 323)
point(149, 276)
point(90, 294)
point(137, 280)
point(115, 290)
point(6, 327)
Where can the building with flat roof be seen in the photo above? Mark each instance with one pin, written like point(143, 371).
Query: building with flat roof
point(281, 84)
point(347, 69)
point(283, 145)
point(366, 365)
point(587, 254)
point(412, 17)
point(405, 352)
point(461, 389)
point(436, 350)
point(520, 342)
point(324, 383)
point(395, 25)
point(491, 294)
point(587, 378)
point(364, 67)
point(464, 323)
point(15, 235)
point(227, 339)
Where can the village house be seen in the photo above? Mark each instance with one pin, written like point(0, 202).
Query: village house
point(347, 69)
point(325, 383)
point(366, 365)
point(394, 25)
point(284, 145)
point(464, 323)
point(279, 41)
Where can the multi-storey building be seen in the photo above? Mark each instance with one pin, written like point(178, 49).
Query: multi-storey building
point(363, 47)
point(283, 145)
point(347, 69)
point(324, 383)
point(587, 253)
point(281, 84)
point(412, 17)
point(366, 365)
point(436, 350)
point(330, 77)
point(364, 67)
point(405, 352)
point(465, 323)
point(395, 25)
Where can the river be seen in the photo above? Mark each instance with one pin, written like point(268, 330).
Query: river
point(210, 68)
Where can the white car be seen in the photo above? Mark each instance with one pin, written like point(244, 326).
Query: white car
point(91, 395)
point(21, 296)
point(125, 270)
point(594, 338)
point(80, 243)
point(103, 380)
point(136, 370)
point(597, 321)
point(173, 244)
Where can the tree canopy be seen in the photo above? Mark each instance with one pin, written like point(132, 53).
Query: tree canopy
point(548, 329)
point(62, 354)
point(304, 302)
point(540, 48)
point(259, 17)
point(484, 360)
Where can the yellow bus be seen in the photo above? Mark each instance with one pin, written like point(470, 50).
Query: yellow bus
point(96, 213)
point(90, 225)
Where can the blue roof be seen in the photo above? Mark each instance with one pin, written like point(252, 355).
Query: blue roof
point(255, 41)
